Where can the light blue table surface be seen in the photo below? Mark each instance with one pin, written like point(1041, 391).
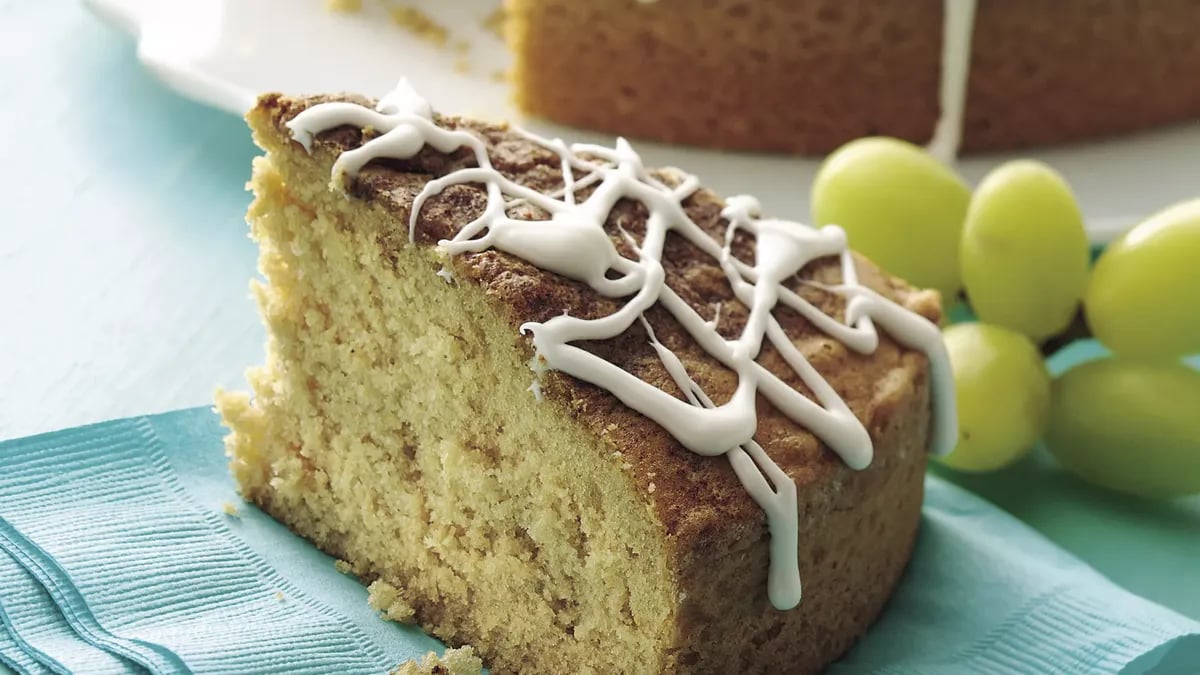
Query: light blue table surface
point(124, 264)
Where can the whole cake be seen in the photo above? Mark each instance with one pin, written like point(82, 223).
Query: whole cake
point(583, 415)
point(806, 76)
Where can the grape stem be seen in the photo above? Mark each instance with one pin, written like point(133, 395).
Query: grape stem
point(1077, 330)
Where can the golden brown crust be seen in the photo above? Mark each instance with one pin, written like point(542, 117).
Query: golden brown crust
point(806, 76)
point(714, 528)
point(1052, 72)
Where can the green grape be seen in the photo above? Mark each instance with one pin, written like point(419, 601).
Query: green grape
point(1024, 250)
point(1129, 425)
point(1144, 296)
point(899, 206)
point(1003, 395)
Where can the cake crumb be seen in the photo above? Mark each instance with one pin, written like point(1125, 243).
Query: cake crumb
point(494, 21)
point(343, 5)
point(461, 661)
point(280, 596)
point(627, 466)
point(343, 567)
point(388, 601)
point(229, 509)
point(499, 75)
point(419, 23)
point(651, 488)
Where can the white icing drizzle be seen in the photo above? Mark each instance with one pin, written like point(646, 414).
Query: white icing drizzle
point(958, 23)
point(572, 242)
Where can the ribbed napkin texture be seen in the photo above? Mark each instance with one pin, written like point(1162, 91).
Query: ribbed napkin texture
point(37, 636)
point(137, 569)
point(988, 595)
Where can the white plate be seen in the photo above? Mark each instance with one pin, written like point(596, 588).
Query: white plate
point(223, 52)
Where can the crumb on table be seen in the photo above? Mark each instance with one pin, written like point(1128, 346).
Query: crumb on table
point(495, 21)
point(343, 5)
point(461, 661)
point(389, 602)
point(419, 23)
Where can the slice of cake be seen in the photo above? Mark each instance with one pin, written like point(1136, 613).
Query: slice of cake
point(583, 415)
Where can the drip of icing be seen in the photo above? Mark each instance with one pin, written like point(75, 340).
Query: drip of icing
point(958, 23)
point(572, 242)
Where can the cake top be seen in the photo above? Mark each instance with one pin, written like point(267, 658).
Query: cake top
point(565, 226)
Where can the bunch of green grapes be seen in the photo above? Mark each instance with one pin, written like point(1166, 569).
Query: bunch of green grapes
point(1017, 249)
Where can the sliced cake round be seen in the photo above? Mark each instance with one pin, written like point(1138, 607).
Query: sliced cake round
point(806, 76)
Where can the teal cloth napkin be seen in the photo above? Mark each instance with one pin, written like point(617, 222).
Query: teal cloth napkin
point(115, 556)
